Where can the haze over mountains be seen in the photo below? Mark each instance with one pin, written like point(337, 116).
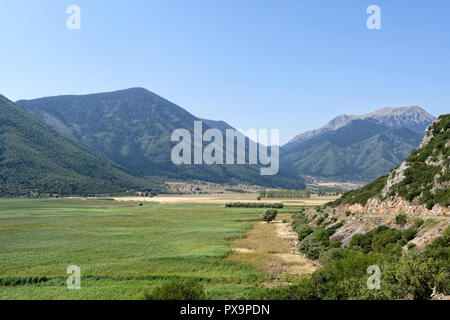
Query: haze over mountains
point(133, 128)
point(357, 147)
point(118, 141)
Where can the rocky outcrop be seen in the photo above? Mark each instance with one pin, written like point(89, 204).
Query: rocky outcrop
point(394, 206)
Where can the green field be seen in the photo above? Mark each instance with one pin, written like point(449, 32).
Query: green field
point(123, 250)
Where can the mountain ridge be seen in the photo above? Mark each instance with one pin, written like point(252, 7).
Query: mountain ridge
point(387, 116)
point(133, 127)
point(357, 148)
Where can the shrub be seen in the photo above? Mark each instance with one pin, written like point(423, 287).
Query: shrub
point(253, 205)
point(335, 244)
point(347, 213)
point(178, 290)
point(332, 230)
point(319, 221)
point(269, 215)
point(331, 254)
point(409, 233)
point(304, 231)
point(416, 275)
point(411, 246)
point(311, 247)
point(401, 219)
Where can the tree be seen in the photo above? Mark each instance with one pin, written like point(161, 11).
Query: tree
point(270, 215)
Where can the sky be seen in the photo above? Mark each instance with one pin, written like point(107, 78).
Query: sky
point(290, 65)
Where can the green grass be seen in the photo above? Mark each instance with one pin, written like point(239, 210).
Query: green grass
point(123, 250)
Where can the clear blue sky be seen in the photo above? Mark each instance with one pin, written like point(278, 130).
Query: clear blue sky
point(291, 65)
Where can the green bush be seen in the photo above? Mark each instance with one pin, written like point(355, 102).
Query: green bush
point(319, 221)
point(253, 205)
point(304, 231)
point(335, 244)
point(269, 215)
point(178, 290)
point(311, 247)
point(409, 233)
point(401, 219)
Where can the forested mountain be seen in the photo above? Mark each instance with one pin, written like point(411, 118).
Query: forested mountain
point(133, 128)
point(357, 148)
point(34, 159)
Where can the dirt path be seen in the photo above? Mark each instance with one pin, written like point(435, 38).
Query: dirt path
point(273, 249)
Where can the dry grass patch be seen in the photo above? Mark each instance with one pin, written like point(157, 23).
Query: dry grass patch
point(271, 247)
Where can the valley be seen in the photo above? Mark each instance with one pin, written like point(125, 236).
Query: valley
point(88, 185)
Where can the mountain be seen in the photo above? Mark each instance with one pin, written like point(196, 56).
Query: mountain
point(357, 148)
point(413, 118)
point(36, 159)
point(133, 128)
point(221, 125)
point(420, 185)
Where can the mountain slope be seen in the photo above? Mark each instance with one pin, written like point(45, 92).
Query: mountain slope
point(36, 159)
point(419, 185)
point(356, 148)
point(133, 128)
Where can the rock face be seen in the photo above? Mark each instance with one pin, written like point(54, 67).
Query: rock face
point(394, 206)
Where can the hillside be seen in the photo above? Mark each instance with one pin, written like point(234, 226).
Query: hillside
point(133, 128)
point(35, 159)
point(357, 148)
point(420, 185)
point(358, 151)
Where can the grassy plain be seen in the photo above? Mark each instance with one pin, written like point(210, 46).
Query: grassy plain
point(122, 248)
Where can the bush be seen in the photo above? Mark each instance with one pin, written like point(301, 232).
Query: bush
point(311, 247)
point(304, 231)
point(269, 215)
point(347, 213)
point(319, 221)
point(335, 244)
point(401, 219)
point(253, 205)
point(409, 233)
point(416, 275)
point(331, 254)
point(178, 290)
